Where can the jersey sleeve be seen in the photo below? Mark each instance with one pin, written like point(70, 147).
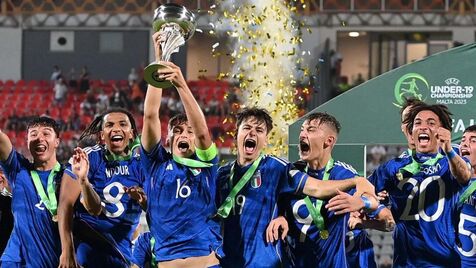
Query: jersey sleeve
point(291, 179)
point(379, 177)
point(141, 251)
point(12, 165)
point(158, 154)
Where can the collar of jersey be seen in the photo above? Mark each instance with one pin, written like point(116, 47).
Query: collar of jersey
point(110, 156)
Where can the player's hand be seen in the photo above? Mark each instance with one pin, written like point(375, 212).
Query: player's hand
point(80, 165)
point(138, 194)
point(172, 73)
point(276, 226)
point(68, 260)
point(444, 139)
point(381, 196)
point(363, 186)
point(158, 38)
point(343, 203)
point(4, 187)
point(355, 220)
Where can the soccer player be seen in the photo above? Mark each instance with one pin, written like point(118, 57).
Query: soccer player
point(404, 111)
point(467, 219)
point(6, 217)
point(109, 183)
point(320, 242)
point(34, 241)
point(423, 189)
point(250, 187)
point(181, 191)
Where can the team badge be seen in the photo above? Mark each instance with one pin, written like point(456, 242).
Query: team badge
point(256, 180)
point(324, 234)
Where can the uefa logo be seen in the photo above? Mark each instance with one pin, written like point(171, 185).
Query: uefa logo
point(411, 85)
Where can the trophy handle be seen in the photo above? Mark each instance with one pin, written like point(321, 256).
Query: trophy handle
point(152, 77)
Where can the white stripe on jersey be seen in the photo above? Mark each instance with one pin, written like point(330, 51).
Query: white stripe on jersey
point(87, 150)
point(300, 182)
point(346, 166)
point(90, 149)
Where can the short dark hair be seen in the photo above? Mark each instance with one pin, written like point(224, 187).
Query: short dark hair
point(439, 109)
point(260, 114)
point(324, 118)
point(44, 121)
point(471, 128)
point(177, 120)
point(96, 125)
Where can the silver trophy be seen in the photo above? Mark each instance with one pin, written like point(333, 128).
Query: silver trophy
point(177, 24)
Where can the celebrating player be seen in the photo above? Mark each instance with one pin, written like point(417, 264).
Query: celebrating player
point(181, 190)
point(109, 178)
point(34, 241)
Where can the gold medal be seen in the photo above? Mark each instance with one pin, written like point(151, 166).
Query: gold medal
point(324, 234)
point(54, 218)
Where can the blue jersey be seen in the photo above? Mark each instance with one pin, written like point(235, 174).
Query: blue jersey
point(424, 208)
point(120, 215)
point(308, 249)
point(142, 251)
point(180, 206)
point(467, 231)
point(255, 206)
point(359, 249)
point(35, 240)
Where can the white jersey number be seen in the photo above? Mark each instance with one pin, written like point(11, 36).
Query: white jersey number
point(465, 232)
point(421, 189)
point(306, 222)
point(239, 204)
point(183, 191)
point(115, 200)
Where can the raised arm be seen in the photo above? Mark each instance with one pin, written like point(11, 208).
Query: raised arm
point(151, 130)
point(195, 116)
point(5, 146)
point(90, 199)
point(458, 167)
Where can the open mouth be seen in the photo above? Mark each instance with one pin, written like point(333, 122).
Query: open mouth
point(40, 148)
point(250, 146)
point(304, 146)
point(465, 152)
point(183, 146)
point(116, 139)
point(423, 138)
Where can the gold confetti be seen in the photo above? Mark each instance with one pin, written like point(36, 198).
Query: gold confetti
point(265, 40)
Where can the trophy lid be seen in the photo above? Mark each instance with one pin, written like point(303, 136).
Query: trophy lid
point(170, 12)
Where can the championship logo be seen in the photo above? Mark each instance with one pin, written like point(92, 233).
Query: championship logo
point(411, 85)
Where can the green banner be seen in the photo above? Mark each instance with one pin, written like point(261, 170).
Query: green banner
point(369, 113)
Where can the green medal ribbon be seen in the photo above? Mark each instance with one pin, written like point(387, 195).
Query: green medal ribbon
point(225, 208)
point(315, 211)
point(132, 146)
point(414, 167)
point(469, 191)
point(50, 201)
point(153, 262)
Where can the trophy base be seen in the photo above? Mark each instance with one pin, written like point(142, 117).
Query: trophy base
point(152, 77)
